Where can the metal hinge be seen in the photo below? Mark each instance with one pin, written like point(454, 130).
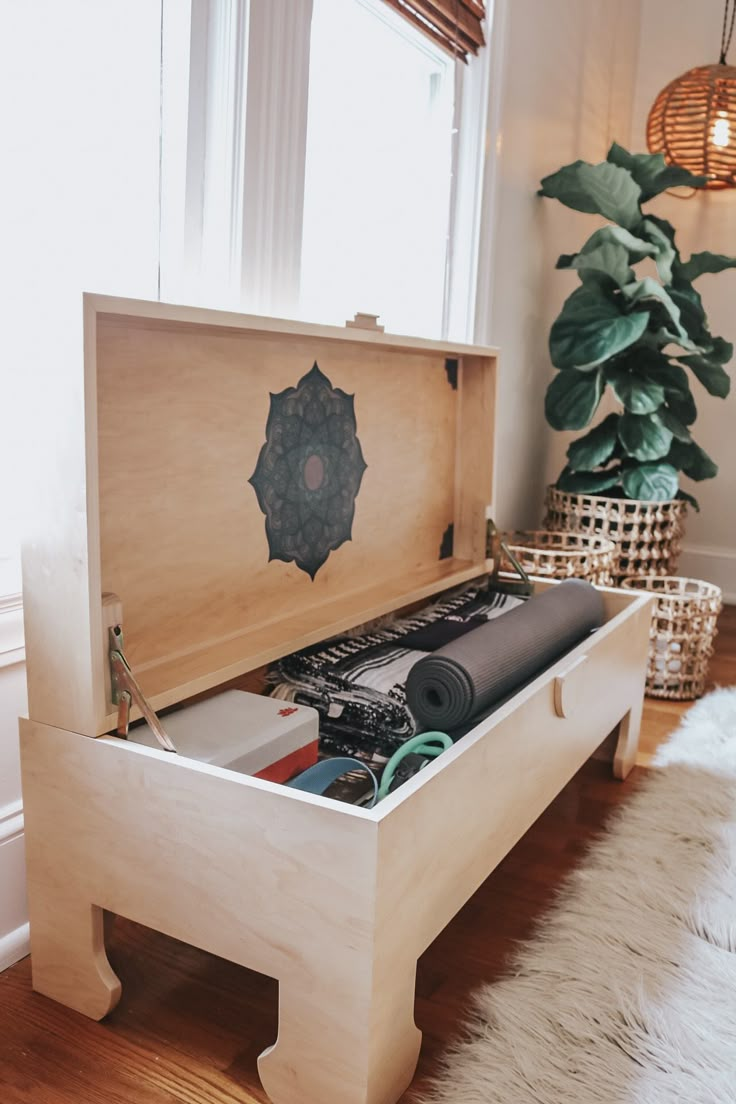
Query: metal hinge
point(496, 546)
point(126, 691)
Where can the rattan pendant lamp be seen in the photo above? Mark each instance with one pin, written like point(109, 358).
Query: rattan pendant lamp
point(693, 120)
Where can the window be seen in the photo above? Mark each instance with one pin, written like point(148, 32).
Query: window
point(321, 157)
point(378, 169)
point(296, 157)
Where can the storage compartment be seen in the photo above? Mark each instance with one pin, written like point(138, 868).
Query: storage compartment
point(164, 506)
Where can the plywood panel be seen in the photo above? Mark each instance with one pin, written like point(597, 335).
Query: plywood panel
point(445, 829)
point(182, 413)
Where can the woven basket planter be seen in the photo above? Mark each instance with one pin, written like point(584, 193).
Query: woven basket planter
point(682, 634)
point(562, 555)
point(647, 535)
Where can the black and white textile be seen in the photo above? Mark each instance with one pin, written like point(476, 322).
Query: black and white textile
point(357, 683)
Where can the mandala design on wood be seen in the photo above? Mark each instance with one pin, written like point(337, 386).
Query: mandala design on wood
point(309, 471)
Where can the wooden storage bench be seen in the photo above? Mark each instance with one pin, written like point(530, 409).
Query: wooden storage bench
point(153, 503)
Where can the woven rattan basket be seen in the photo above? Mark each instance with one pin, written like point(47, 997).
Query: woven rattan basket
point(562, 555)
point(648, 535)
point(682, 634)
point(685, 120)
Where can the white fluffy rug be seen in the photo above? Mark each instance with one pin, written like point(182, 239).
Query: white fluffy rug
point(627, 993)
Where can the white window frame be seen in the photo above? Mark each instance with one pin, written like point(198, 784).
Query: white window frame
point(246, 219)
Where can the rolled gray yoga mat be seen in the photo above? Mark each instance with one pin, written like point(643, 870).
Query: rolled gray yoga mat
point(445, 689)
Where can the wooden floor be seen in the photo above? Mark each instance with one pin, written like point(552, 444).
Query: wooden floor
point(190, 1026)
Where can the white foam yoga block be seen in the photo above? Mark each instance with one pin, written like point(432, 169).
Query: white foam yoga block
point(248, 733)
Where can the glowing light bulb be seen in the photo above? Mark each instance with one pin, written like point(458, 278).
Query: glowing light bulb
point(721, 131)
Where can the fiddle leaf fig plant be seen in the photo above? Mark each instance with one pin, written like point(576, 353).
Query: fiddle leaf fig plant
point(635, 325)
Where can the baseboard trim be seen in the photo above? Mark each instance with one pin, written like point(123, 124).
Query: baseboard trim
point(14, 946)
point(714, 564)
point(11, 821)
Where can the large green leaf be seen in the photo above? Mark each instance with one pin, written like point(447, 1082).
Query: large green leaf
point(665, 251)
point(720, 351)
point(648, 289)
point(692, 314)
point(603, 189)
point(666, 227)
point(658, 338)
point(661, 369)
point(652, 173)
point(572, 399)
point(689, 498)
point(650, 482)
point(700, 263)
point(670, 421)
point(637, 248)
point(692, 460)
point(653, 367)
point(596, 447)
point(636, 390)
point(682, 404)
point(675, 177)
point(707, 366)
point(588, 482)
point(643, 436)
point(590, 328)
point(609, 259)
point(700, 466)
point(713, 378)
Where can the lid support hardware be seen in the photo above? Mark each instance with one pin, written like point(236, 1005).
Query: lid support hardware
point(126, 691)
point(496, 546)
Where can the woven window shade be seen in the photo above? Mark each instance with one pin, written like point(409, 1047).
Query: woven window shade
point(456, 25)
point(693, 123)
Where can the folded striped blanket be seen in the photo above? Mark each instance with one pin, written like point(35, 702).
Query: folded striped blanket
point(356, 682)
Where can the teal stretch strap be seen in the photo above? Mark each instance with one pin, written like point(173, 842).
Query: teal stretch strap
point(320, 777)
point(430, 744)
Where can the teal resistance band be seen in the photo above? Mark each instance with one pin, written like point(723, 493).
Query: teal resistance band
point(318, 778)
point(430, 744)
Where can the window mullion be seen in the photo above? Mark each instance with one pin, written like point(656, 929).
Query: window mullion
point(227, 52)
point(488, 191)
point(275, 151)
point(203, 144)
point(472, 164)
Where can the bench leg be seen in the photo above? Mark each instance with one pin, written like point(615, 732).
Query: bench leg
point(345, 1037)
point(627, 744)
point(68, 959)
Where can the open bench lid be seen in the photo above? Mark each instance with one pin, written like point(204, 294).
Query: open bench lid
point(255, 485)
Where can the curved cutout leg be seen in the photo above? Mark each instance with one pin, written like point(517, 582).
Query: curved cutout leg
point(627, 744)
point(348, 1039)
point(68, 958)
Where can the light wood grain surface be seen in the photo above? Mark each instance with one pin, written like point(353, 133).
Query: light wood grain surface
point(190, 1025)
point(152, 501)
point(335, 901)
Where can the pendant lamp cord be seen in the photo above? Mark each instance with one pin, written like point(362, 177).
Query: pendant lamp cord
point(727, 32)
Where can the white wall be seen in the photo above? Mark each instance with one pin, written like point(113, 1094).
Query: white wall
point(677, 35)
point(79, 202)
point(569, 72)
